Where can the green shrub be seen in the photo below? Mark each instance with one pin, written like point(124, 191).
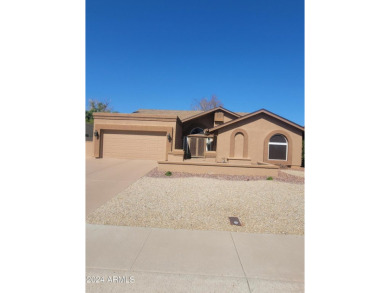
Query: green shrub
point(270, 178)
point(168, 173)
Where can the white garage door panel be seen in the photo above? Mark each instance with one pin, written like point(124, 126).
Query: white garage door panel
point(134, 145)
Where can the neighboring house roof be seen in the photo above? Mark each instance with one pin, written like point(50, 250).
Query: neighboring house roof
point(257, 113)
point(182, 114)
point(210, 111)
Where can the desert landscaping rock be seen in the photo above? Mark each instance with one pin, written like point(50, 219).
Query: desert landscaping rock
point(200, 203)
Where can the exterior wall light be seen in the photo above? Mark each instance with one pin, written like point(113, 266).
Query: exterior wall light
point(96, 134)
point(169, 137)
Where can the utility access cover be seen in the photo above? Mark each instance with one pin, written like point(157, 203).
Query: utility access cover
point(234, 221)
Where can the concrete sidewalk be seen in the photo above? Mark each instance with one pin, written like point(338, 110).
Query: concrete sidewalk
point(164, 260)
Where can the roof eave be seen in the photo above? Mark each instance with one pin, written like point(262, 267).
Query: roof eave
point(137, 116)
point(254, 114)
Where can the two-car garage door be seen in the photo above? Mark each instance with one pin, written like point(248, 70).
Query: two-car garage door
point(143, 145)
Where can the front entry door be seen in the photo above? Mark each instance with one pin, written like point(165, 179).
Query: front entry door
point(197, 146)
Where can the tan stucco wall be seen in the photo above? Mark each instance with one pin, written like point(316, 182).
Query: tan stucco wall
point(89, 148)
point(228, 117)
point(178, 135)
point(176, 156)
point(257, 129)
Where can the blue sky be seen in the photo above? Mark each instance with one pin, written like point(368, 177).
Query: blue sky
point(165, 54)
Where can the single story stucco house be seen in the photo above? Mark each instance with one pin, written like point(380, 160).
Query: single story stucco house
point(214, 141)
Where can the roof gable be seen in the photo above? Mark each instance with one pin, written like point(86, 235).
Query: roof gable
point(210, 111)
point(254, 114)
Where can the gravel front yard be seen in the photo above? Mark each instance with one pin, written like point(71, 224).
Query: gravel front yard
point(206, 203)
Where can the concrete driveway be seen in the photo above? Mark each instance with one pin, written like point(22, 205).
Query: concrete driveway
point(106, 177)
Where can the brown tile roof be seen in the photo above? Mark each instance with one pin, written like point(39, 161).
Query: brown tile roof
point(181, 113)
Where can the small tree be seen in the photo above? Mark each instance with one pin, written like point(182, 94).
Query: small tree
point(96, 106)
point(206, 104)
point(88, 116)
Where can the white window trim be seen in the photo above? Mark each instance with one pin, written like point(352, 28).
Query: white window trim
point(278, 143)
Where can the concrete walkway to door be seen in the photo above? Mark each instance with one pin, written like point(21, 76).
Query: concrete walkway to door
point(107, 177)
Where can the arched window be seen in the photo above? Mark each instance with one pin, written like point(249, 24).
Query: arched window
point(197, 130)
point(278, 148)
